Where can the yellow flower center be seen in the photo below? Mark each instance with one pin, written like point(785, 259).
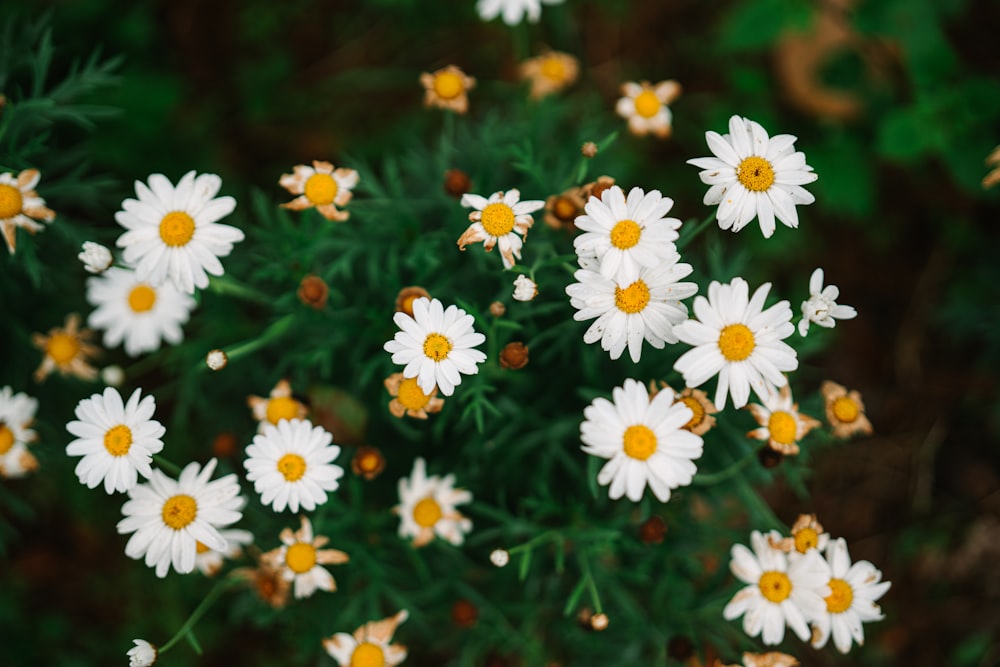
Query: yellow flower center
point(755, 173)
point(498, 219)
point(6, 439)
point(62, 348)
point(367, 654)
point(840, 597)
point(427, 512)
point(632, 299)
point(179, 511)
point(176, 228)
point(775, 586)
point(806, 539)
point(736, 342)
point(11, 201)
point(300, 557)
point(640, 442)
point(845, 409)
point(553, 69)
point(369, 462)
point(321, 189)
point(436, 347)
point(647, 104)
point(697, 412)
point(282, 407)
point(292, 466)
point(448, 85)
point(200, 548)
point(141, 298)
point(625, 234)
point(783, 427)
point(564, 208)
point(411, 395)
point(118, 440)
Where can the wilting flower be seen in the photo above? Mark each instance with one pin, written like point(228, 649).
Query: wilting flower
point(313, 292)
point(447, 88)
point(279, 405)
point(66, 350)
point(807, 533)
point(782, 426)
point(646, 107)
point(514, 356)
point(406, 297)
point(550, 72)
point(409, 399)
point(845, 410)
point(369, 645)
point(20, 205)
point(300, 559)
point(562, 210)
point(368, 462)
point(17, 412)
point(321, 187)
point(428, 507)
point(497, 221)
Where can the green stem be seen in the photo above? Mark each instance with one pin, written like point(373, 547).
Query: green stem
point(272, 333)
point(227, 286)
point(530, 544)
point(698, 229)
point(595, 598)
point(708, 479)
point(169, 466)
point(199, 611)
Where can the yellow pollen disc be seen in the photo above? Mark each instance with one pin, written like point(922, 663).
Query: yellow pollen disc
point(736, 342)
point(564, 208)
point(367, 654)
point(300, 557)
point(755, 173)
point(840, 597)
point(775, 586)
point(368, 462)
point(553, 69)
point(448, 85)
point(436, 347)
point(292, 466)
point(201, 548)
point(282, 407)
point(411, 395)
point(6, 439)
point(142, 298)
point(118, 440)
point(632, 299)
point(321, 189)
point(845, 410)
point(427, 512)
point(806, 539)
point(11, 201)
point(63, 348)
point(625, 234)
point(639, 442)
point(697, 412)
point(498, 219)
point(647, 104)
point(176, 229)
point(783, 427)
point(179, 511)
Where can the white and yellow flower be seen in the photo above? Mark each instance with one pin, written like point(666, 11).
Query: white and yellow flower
point(321, 187)
point(280, 404)
point(512, 11)
point(17, 412)
point(497, 221)
point(428, 507)
point(20, 206)
point(550, 72)
point(844, 410)
point(807, 533)
point(822, 307)
point(300, 559)
point(782, 426)
point(447, 88)
point(370, 645)
point(854, 590)
point(646, 107)
point(409, 399)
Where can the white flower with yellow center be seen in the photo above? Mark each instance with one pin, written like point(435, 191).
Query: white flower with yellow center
point(291, 466)
point(629, 312)
point(300, 560)
point(626, 234)
point(844, 410)
point(497, 221)
point(210, 561)
point(409, 399)
point(735, 338)
point(512, 11)
point(781, 423)
point(854, 590)
point(169, 517)
point(172, 231)
point(436, 345)
point(753, 175)
point(822, 307)
point(778, 592)
point(141, 314)
point(447, 88)
point(427, 507)
point(20, 206)
point(550, 72)
point(807, 533)
point(321, 187)
point(116, 440)
point(643, 439)
point(369, 646)
point(646, 107)
point(17, 412)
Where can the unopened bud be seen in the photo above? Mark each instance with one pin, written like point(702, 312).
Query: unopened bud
point(216, 360)
point(500, 557)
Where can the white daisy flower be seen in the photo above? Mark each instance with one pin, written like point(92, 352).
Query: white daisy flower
point(782, 426)
point(20, 206)
point(143, 654)
point(513, 11)
point(169, 517)
point(172, 231)
point(643, 439)
point(300, 558)
point(854, 590)
point(629, 312)
point(369, 645)
point(778, 592)
point(822, 307)
point(95, 257)
point(646, 107)
point(141, 314)
point(495, 221)
point(116, 440)
point(626, 234)
point(291, 465)
point(209, 561)
point(17, 412)
point(525, 289)
point(427, 507)
point(735, 338)
point(321, 187)
point(436, 345)
point(754, 176)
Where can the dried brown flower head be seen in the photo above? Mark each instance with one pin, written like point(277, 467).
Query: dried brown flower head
point(406, 297)
point(368, 462)
point(514, 356)
point(457, 183)
point(313, 292)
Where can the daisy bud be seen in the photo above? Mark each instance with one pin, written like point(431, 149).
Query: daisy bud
point(406, 297)
point(653, 530)
point(525, 289)
point(500, 557)
point(368, 462)
point(313, 292)
point(224, 445)
point(95, 257)
point(514, 356)
point(456, 183)
point(216, 360)
point(599, 622)
point(464, 614)
point(497, 309)
point(113, 376)
point(589, 149)
point(143, 654)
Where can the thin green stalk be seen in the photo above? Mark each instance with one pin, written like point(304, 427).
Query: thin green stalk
point(169, 466)
point(272, 333)
point(588, 576)
point(196, 615)
point(227, 286)
point(707, 479)
point(698, 229)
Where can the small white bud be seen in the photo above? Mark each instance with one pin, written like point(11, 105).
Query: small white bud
point(525, 288)
point(216, 360)
point(113, 376)
point(95, 257)
point(500, 557)
point(143, 654)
